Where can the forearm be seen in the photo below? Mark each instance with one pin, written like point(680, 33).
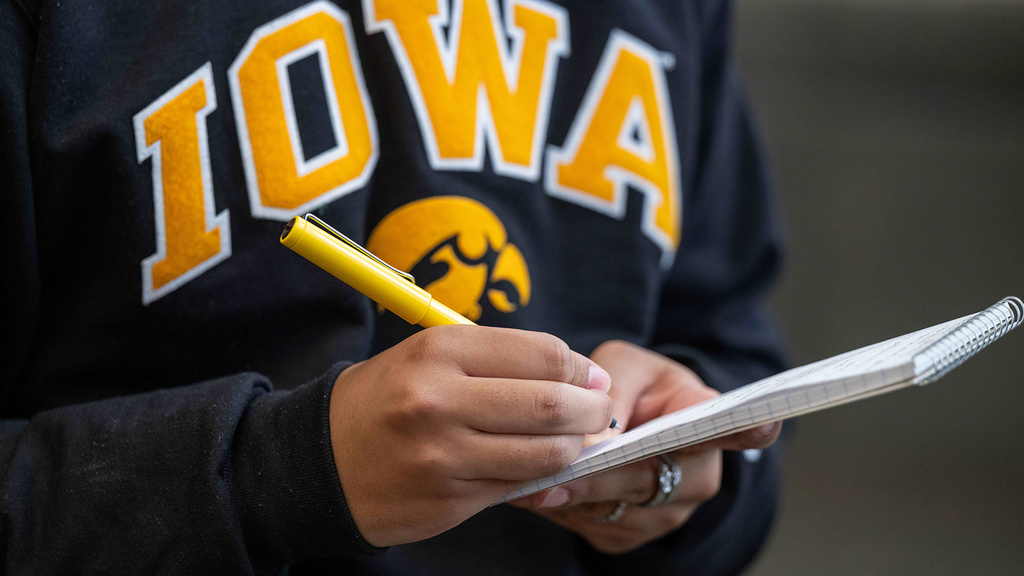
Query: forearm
point(219, 477)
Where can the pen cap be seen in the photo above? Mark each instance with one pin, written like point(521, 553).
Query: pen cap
point(359, 271)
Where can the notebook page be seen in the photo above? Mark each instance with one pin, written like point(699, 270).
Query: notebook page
point(814, 386)
point(893, 357)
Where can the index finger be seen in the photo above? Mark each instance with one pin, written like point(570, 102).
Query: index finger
point(635, 483)
point(486, 352)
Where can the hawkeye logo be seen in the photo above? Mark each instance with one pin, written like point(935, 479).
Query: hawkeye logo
point(465, 241)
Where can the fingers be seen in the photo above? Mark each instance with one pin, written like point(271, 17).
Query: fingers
point(761, 437)
point(486, 352)
point(516, 457)
point(505, 406)
point(637, 483)
point(634, 528)
point(578, 505)
point(758, 438)
point(648, 384)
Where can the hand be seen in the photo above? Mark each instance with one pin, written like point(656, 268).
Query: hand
point(435, 429)
point(645, 385)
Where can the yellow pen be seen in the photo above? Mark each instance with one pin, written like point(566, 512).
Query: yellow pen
point(354, 265)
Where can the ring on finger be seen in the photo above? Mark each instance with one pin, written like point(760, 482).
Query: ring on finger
point(669, 477)
point(614, 515)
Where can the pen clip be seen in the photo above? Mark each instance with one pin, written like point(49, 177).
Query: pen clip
point(355, 246)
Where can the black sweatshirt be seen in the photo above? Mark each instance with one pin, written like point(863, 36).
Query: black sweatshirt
point(587, 170)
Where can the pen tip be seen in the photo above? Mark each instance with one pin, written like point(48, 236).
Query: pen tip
point(615, 425)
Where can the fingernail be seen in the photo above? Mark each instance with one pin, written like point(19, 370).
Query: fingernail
point(598, 378)
point(556, 497)
point(764, 429)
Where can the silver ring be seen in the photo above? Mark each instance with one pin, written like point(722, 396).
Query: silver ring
point(669, 477)
point(614, 515)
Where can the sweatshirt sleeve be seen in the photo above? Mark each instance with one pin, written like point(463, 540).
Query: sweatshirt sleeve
point(220, 477)
point(17, 243)
point(225, 476)
point(713, 318)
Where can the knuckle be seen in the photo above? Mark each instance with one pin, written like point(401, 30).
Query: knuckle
point(429, 461)
point(422, 403)
point(556, 456)
point(639, 492)
point(707, 486)
point(671, 517)
point(552, 406)
point(432, 346)
point(557, 357)
point(646, 473)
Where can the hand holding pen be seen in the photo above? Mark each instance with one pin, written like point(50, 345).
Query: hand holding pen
point(445, 423)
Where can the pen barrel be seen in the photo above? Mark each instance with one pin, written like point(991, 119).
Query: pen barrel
point(369, 277)
point(440, 315)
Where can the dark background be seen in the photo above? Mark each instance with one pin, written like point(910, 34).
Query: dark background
point(896, 135)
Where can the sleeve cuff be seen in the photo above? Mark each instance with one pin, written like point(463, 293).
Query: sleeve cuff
point(290, 500)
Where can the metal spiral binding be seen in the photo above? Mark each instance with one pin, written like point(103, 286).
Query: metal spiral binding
point(956, 347)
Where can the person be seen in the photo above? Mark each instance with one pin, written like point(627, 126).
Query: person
point(581, 179)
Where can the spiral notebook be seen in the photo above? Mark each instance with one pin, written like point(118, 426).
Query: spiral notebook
point(918, 358)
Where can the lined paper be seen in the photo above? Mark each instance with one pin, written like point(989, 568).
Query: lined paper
point(851, 376)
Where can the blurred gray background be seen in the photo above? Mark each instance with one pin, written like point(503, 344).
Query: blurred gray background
point(896, 134)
